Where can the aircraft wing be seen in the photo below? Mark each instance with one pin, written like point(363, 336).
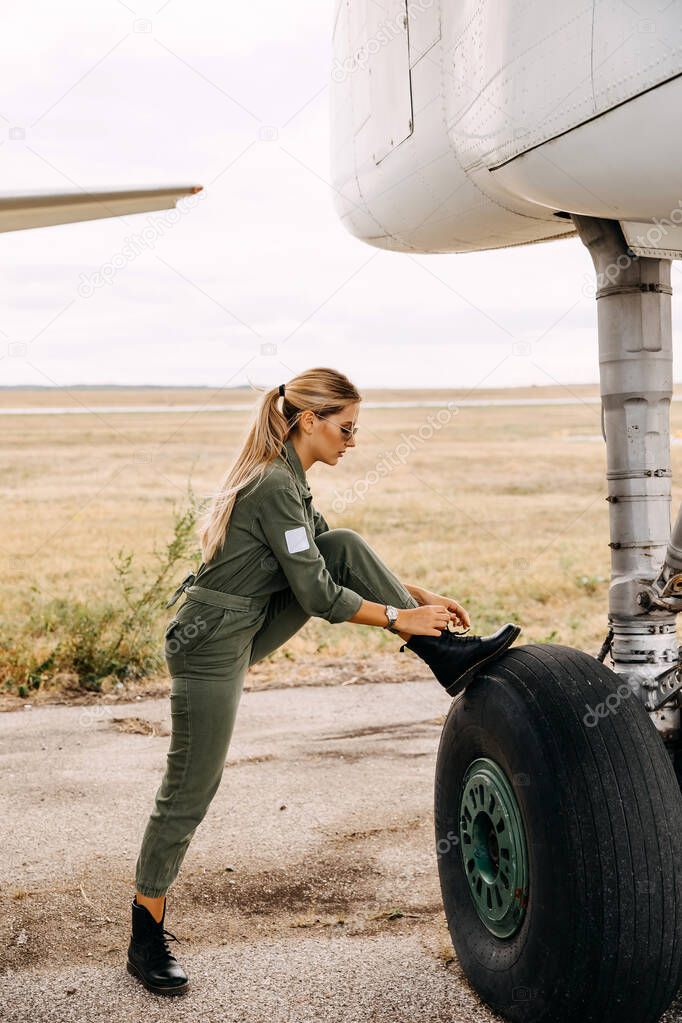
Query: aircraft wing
point(21, 210)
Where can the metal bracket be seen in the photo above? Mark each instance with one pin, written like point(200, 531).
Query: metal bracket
point(663, 691)
point(669, 598)
point(658, 692)
point(654, 287)
point(673, 586)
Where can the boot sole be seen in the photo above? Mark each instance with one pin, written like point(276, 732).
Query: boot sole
point(177, 989)
point(460, 683)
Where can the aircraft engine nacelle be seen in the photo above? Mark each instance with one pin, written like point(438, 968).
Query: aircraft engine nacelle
point(461, 125)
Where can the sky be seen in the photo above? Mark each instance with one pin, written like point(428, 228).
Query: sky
point(257, 280)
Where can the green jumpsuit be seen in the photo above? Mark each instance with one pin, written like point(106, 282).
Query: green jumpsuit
point(279, 565)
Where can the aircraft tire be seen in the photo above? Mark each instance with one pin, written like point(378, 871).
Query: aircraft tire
point(558, 826)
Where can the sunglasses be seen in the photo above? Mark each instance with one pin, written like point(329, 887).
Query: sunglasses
point(348, 433)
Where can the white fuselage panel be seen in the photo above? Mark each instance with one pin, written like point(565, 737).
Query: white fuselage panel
point(476, 124)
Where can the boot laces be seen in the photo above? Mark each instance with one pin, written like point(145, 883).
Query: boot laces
point(458, 637)
point(159, 947)
point(453, 638)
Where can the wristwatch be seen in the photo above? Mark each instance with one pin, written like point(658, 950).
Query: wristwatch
point(392, 615)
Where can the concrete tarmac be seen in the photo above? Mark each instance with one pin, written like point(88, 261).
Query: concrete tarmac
point(309, 892)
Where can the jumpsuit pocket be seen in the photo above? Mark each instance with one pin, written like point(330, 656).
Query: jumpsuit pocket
point(192, 627)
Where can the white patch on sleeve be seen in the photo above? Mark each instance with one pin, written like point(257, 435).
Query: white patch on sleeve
point(297, 539)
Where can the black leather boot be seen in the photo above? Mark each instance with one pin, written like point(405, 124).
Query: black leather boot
point(455, 659)
point(149, 958)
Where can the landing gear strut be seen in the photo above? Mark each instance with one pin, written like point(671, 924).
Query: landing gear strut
point(558, 809)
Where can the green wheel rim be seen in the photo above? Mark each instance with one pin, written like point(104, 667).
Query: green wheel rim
point(494, 849)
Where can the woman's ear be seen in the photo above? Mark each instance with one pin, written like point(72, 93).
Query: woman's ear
point(307, 420)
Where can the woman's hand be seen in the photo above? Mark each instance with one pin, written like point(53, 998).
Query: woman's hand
point(428, 620)
point(458, 615)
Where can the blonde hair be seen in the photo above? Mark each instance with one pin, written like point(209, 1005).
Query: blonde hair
point(322, 390)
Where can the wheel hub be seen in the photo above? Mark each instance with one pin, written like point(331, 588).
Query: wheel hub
point(494, 849)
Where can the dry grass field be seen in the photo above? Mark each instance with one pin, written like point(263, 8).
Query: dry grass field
point(500, 507)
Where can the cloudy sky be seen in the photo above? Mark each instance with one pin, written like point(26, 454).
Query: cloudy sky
point(235, 97)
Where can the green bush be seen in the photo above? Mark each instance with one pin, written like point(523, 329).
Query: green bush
point(93, 640)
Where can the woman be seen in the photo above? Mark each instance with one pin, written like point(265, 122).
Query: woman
point(270, 563)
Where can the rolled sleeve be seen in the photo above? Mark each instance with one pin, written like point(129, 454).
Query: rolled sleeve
point(283, 523)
